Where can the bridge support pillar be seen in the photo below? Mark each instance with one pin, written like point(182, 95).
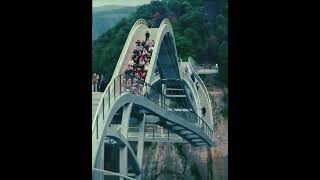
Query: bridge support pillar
point(163, 89)
point(141, 144)
point(123, 159)
point(101, 162)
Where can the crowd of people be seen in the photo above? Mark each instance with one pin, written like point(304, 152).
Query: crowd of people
point(139, 62)
point(137, 67)
point(98, 84)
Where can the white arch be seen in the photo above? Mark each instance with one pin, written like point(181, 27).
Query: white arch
point(204, 89)
point(165, 27)
point(139, 24)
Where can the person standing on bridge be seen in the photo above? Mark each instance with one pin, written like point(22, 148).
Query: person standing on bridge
point(197, 85)
point(203, 109)
point(94, 82)
point(192, 77)
point(101, 83)
point(147, 35)
point(97, 82)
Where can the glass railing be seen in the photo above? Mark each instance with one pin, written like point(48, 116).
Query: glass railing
point(203, 67)
point(154, 133)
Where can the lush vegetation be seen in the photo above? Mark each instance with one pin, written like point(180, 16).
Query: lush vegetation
point(205, 41)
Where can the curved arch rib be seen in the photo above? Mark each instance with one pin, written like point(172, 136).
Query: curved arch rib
point(139, 24)
point(118, 137)
point(164, 28)
point(204, 89)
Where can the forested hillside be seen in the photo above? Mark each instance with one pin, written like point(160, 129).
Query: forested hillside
point(194, 35)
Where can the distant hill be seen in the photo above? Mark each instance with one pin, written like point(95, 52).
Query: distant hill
point(105, 17)
point(106, 8)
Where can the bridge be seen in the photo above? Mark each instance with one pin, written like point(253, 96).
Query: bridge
point(203, 68)
point(166, 105)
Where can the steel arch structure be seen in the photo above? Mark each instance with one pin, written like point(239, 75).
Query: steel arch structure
point(152, 105)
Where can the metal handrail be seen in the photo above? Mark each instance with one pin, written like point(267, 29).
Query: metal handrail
point(166, 107)
point(144, 92)
point(204, 67)
point(201, 83)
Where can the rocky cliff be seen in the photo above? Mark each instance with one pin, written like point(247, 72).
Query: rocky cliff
point(166, 161)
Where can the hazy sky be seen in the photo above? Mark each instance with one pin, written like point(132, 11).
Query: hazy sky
point(96, 3)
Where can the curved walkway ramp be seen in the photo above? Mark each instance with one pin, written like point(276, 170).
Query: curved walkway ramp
point(156, 106)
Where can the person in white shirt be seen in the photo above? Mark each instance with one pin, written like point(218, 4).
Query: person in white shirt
point(146, 66)
point(151, 49)
point(131, 62)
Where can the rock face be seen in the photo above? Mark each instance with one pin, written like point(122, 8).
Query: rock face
point(174, 161)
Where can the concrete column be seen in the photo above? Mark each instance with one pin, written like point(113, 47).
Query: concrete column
point(141, 144)
point(123, 159)
point(101, 162)
point(164, 87)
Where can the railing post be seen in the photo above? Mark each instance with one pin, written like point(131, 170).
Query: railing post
point(97, 127)
point(153, 132)
point(162, 101)
point(120, 83)
point(146, 91)
point(103, 108)
point(114, 89)
point(206, 129)
point(108, 97)
point(131, 81)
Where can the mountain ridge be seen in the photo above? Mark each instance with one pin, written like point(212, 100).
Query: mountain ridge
point(105, 17)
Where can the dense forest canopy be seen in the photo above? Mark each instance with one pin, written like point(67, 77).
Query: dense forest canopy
point(195, 36)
